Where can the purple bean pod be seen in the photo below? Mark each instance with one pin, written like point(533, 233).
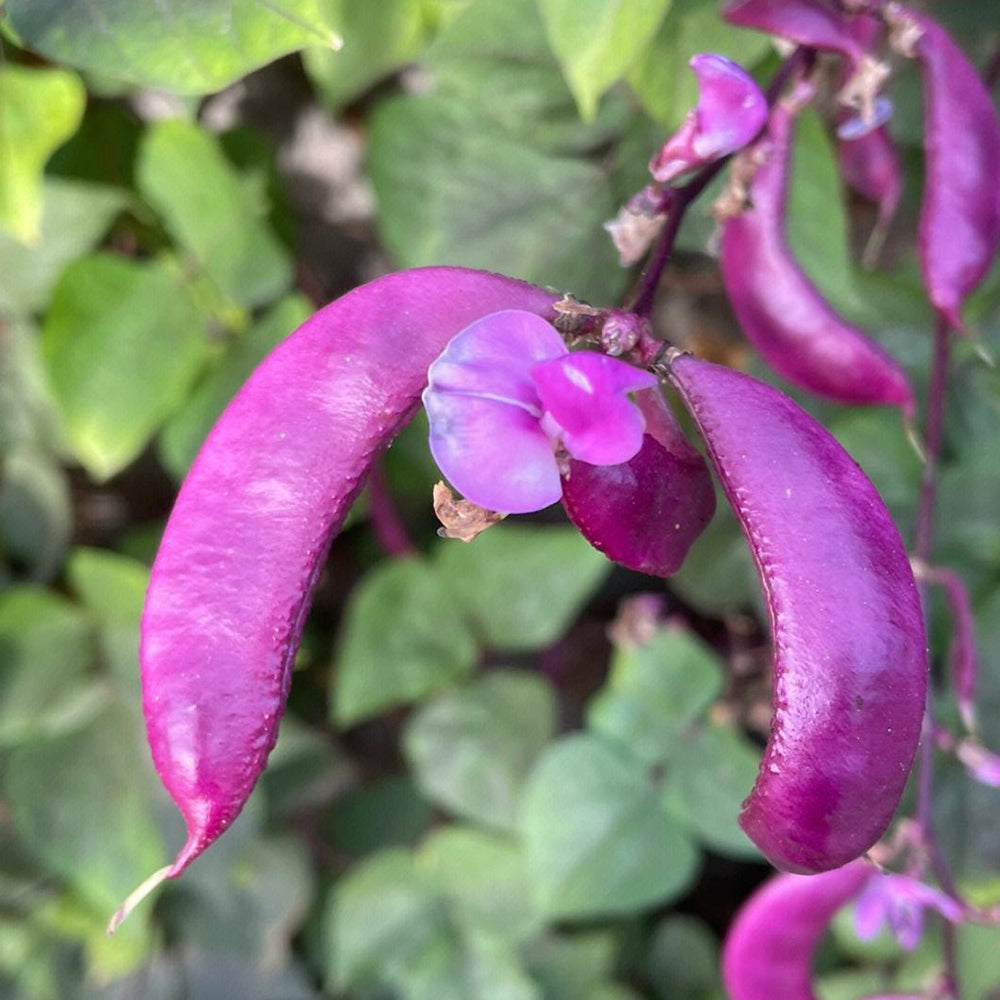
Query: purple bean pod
point(249, 533)
point(645, 513)
point(850, 656)
point(959, 231)
point(768, 952)
point(779, 308)
point(805, 22)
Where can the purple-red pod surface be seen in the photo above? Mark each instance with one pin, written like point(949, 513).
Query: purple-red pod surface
point(850, 656)
point(768, 952)
point(959, 231)
point(645, 513)
point(805, 22)
point(778, 307)
point(254, 519)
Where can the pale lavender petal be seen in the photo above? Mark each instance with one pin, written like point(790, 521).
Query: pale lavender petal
point(857, 126)
point(980, 763)
point(495, 454)
point(731, 111)
point(870, 909)
point(584, 394)
point(493, 357)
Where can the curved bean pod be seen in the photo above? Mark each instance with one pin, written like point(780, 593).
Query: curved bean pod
point(769, 949)
point(959, 231)
point(850, 656)
point(241, 553)
point(805, 22)
point(778, 307)
point(645, 513)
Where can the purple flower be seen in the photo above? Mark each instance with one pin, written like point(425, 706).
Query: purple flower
point(731, 111)
point(900, 901)
point(506, 397)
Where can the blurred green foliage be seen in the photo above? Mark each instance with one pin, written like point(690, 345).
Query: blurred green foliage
point(475, 796)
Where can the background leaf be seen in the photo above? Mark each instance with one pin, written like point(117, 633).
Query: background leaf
point(42, 108)
point(189, 46)
point(123, 342)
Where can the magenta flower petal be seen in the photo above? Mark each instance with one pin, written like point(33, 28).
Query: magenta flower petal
point(494, 453)
point(980, 763)
point(493, 357)
point(900, 901)
point(584, 396)
point(485, 413)
point(647, 512)
point(731, 111)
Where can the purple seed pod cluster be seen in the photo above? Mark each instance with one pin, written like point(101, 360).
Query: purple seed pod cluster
point(778, 307)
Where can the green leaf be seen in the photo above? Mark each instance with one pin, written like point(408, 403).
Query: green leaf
point(599, 842)
point(211, 213)
point(379, 918)
point(570, 966)
point(75, 216)
point(597, 41)
point(494, 56)
point(521, 585)
point(817, 216)
point(711, 772)
point(184, 433)
point(188, 46)
point(661, 77)
point(122, 343)
point(35, 514)
point(387, 924)
point(403, 638)
point(46, 654)
point(42, 108)
point(379, 38)
point(113, 587)
point(28, 415)
point(683, 960)
point(388, 812)
point(81, 802)
point(484, 877)
point(471, 748)
point(453, 188)
point(655, 691)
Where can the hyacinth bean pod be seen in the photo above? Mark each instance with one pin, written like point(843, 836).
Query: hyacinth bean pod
point(959, 230)
point(254, 519)
point(769, 949)
point(779, 308)
point(645, 513)
point(805, 22)
point(850, 657)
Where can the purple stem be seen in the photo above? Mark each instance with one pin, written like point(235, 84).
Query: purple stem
point(640, 299)
point(390, 531)
point(922, 549)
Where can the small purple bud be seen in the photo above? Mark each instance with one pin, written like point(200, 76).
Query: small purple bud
point(731, 111)
point(622, 331)
point(505, 395)
point(638, 223)
point(900, 901)
point(584, 394)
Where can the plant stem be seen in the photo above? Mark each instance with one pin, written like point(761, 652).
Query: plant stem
point(386, 523)
point(640, 299)
point(936, 397)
